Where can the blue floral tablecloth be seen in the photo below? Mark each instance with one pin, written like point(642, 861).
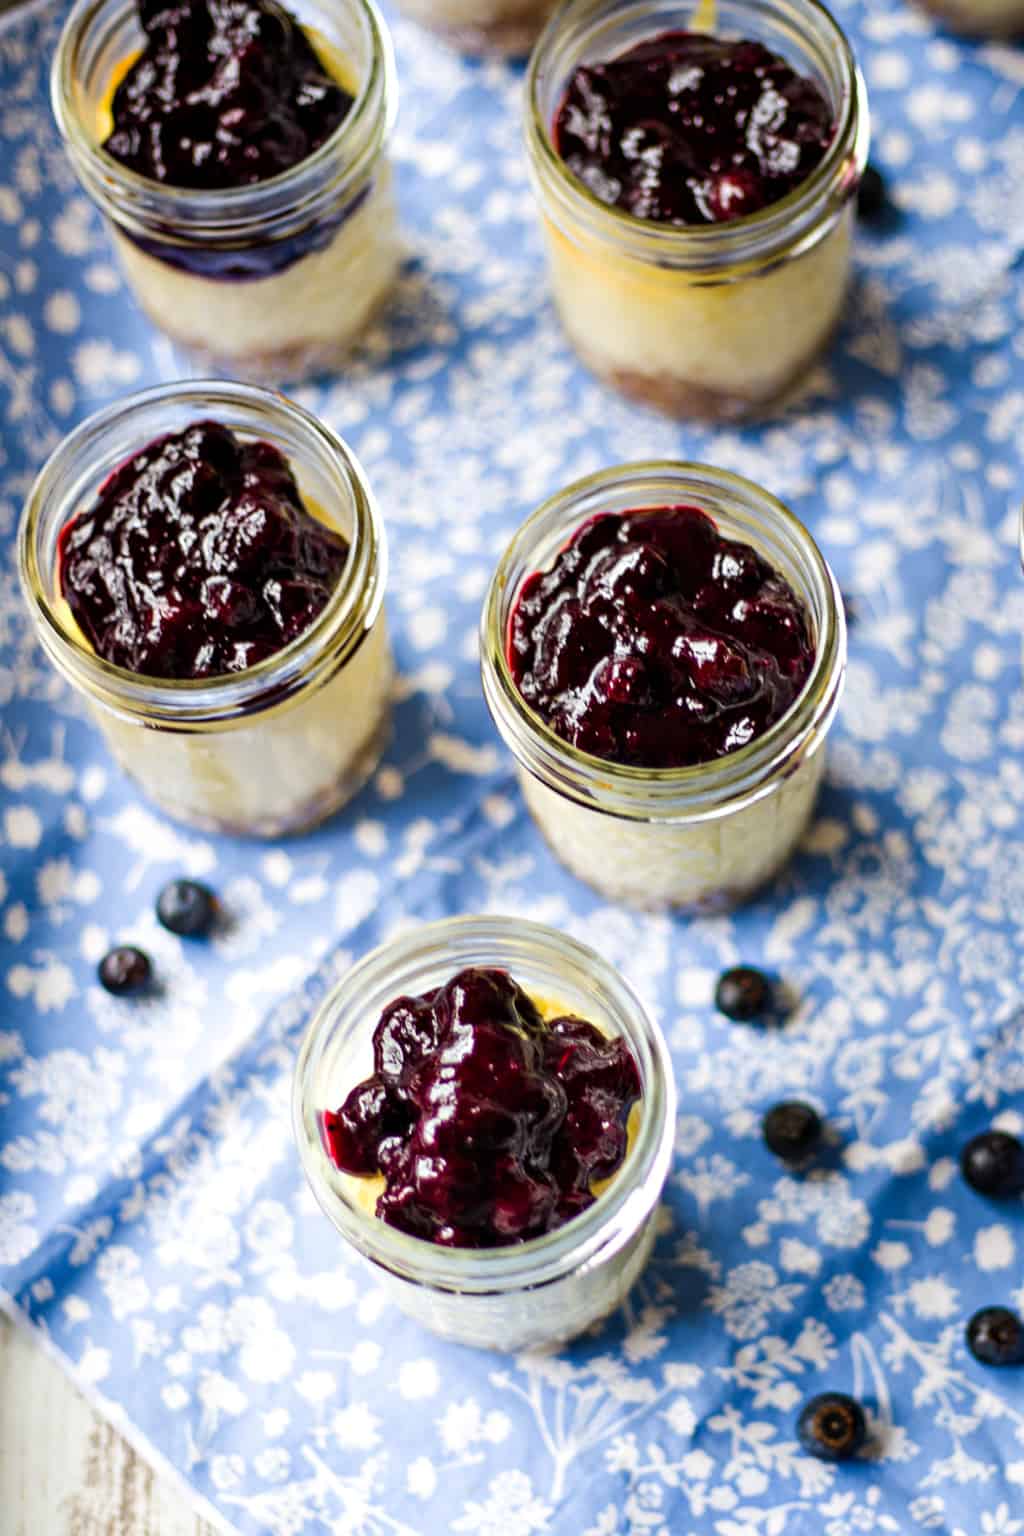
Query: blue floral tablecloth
point(154, 1226)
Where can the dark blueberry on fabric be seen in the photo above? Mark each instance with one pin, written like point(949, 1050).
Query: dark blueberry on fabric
point(744, 994)
point(792, 1130)
point(125, 970)
point(186, 908)
point(995, 1336)
point(832, 1426)
point(993, 1164)
point(871, 194)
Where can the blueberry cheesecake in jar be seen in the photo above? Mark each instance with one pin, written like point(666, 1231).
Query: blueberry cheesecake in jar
point(239, 154)
point(663, 650)
point(695, 169)
point(205, 565)
point(485, 1111)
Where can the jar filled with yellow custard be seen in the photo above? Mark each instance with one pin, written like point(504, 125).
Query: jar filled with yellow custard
point(534, 1211)
point(204, 565)
point(240, 158)
point(695, 166)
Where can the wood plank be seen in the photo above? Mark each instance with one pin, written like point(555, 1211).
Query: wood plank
point(64, 1471)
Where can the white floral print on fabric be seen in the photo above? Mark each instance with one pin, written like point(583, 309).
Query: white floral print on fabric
point(152, 1216)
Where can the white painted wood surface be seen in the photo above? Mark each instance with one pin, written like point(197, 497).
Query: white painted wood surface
point(63, 1470)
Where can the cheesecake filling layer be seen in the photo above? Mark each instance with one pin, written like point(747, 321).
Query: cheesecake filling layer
point(655, 642)
point(682, 134)
point(276, 316)
point(485, 1122)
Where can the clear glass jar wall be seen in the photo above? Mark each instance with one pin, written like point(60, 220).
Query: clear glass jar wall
point(719, 321)
point(532, 1294)
point(268, 282)
point(268, 751)
point(704, 837)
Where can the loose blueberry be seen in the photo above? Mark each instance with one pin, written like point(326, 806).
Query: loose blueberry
point(125, 970)
point(792, 1130)
point(832, 1426)
point(995, 1336)
point(186, 908)
point(871, 194)
point(993, 1164)
point(743, 994)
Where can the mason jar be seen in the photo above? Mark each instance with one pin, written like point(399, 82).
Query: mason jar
point(270, 281)
point(719, 321)
point(703, 837)
point(280, 746)
point(530, 1294)
point(980, 18)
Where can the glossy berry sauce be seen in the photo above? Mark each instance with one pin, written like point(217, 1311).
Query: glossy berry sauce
point(686, 128)
point(224, 94)
point(197, 558)
point(653, 641)
point(489, 1125)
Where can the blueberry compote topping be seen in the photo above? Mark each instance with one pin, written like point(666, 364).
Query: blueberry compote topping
point(489, 1125)
point(691, 129)
point(653, 641)
point(198, 558)
point(225, 93)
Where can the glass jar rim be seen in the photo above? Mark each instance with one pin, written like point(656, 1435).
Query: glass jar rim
point(225, 212)
point(445, 947)
point(786, 227)
point(308, 660)
point(704, 790)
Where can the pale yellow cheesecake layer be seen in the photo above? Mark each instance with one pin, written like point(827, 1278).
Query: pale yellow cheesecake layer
point(731, 345)
point(691, 345)
point(284, 772)
point(704, 865)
